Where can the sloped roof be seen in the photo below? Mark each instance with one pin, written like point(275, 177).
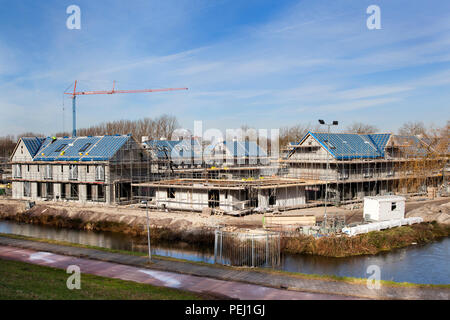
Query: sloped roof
point(240, 149)
point(351, 145)
point(175, 148)
point(411, 144)
point(99, 148)
point(33, 144)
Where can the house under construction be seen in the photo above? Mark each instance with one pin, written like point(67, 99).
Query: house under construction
point(233, 197)
point(357, 165)
point(236, 178)
point(84, 169)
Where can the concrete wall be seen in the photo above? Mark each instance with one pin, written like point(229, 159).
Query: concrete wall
point(60, 172)
point(18, 192)
point(231, 200)
point(316, 152)
point(197, 199)
point(291, 196)
point(17, 189)
point(21, 153)
point(184, 199)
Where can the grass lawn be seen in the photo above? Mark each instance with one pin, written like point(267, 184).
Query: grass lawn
point(20, 280)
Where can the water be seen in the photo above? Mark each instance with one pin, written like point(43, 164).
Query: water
point(417, 264)
point(426, 264)
point(110, 240)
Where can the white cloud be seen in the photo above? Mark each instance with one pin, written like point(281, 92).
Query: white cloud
point(355, 105)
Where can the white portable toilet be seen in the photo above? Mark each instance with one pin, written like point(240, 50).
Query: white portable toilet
point(382, 208)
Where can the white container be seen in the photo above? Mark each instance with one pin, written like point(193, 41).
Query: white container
point(383, 208)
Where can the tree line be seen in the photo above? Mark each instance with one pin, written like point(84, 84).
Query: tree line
point(165, 125)
point(162, 126)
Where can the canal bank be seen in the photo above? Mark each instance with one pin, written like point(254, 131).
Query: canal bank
point(267, 278)
point(425, 264)
point(198, 230)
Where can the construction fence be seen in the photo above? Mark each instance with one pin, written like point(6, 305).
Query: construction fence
point(247, 249)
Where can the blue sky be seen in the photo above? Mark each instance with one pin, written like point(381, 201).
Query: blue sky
point(262, 63)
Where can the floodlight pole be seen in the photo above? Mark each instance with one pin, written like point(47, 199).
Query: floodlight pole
point(334, 123)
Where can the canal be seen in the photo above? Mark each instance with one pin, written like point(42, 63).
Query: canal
point(426, 264)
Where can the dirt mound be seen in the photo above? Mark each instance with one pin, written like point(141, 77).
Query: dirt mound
point(39, 210)
point(8, 210)
point(433, 212)
point(180, 224)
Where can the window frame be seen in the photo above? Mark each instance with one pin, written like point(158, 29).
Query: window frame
point(85, 147)
point(171, 193)
point(99, 177)
point(61, 147)
point(73, 172)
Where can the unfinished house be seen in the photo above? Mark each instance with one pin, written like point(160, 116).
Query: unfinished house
point(234, 197)
point(235, 153)
point(175, 154)
point(355, 165)
point(85, 169)
point(186, 159)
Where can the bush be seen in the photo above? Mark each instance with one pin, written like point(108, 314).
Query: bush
point(368, 243)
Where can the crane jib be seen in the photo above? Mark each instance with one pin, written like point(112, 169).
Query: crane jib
point(74, 94)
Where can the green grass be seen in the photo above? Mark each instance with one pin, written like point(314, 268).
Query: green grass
point(219, 267)
point(20, 280)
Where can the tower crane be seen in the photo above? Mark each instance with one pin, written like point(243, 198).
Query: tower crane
point(76, 93)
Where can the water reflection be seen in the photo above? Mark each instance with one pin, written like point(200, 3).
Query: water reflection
point(419, 264)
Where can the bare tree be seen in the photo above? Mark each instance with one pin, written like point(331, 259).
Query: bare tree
point(292, 134)
point(362, 128)
point(7, 145)
point(163, 126)
point(29, 134)
point(437, 139)
point(412, 128)
point(166, 125)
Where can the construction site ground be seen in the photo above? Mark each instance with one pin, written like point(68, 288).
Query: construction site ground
point(437, 209)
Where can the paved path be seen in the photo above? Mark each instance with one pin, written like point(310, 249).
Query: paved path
point(226, 289)
point(232, 274)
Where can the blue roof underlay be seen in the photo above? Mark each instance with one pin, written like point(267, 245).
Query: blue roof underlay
point(240, 149)
point(33, 144)
point(175, 149)
point(344, 146)
point(100, 148)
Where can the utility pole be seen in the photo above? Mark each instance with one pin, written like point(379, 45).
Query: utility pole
point(148, 233)
point(334, 123)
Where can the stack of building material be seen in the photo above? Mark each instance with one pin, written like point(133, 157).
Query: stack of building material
point(377, 226)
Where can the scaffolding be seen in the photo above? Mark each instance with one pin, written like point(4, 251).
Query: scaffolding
point(403, 167)
point(136, 172)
